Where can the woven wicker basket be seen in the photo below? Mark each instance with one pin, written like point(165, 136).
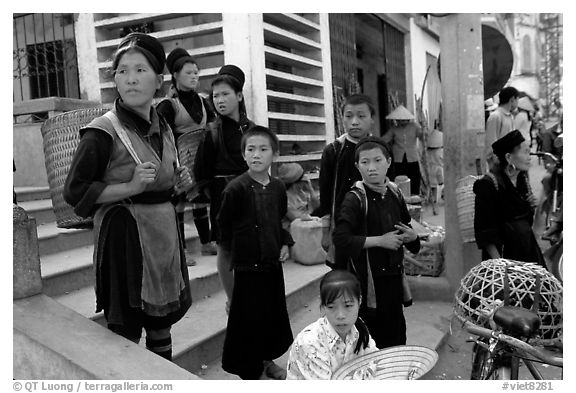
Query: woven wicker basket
point(187, 147)
point(465, 204)
point(484, 286)
point(428, 262)
point(61, 137)
point(400, 362)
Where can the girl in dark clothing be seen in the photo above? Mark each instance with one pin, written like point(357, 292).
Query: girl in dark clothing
point(188, 114)
point(372, 228)
point(219, 157)
point(124, 173)
point(504, 205)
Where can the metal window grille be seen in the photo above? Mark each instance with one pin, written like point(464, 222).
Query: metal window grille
point(44, 57)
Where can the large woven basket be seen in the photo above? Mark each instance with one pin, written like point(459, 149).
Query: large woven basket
point(465, 204)
point(484, 286)
point(61, 137)
point(187, 149)
point(401, 362)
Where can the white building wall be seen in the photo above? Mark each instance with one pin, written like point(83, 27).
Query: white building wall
point(422, 42)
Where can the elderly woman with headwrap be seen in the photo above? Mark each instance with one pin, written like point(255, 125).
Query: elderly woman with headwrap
point(125, 174)
point(504, 205)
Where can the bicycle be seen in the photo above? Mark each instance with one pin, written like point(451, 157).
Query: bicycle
point(498, 352)
point(551, 206)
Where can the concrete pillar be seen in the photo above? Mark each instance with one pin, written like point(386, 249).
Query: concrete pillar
point(243, 36)
point(87, 57)
point(462, 119)
point(27, 280)
point(327, 76)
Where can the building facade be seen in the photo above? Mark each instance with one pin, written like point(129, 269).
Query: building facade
point(298, 66)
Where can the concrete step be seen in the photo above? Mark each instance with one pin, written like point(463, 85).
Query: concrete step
point(204, 282)
point(52, 240)
point(70, 270)
point(40, 209)
point(24, 194)
point(301, 318)
point(427, 324)
point(199, 337)
point(426, 288)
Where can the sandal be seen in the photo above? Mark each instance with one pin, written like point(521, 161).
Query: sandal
point(274, 371)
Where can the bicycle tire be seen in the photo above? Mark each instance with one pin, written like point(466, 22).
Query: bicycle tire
point(481, 366)
point(484, 368)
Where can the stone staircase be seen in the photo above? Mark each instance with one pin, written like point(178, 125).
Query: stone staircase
point(68, 278)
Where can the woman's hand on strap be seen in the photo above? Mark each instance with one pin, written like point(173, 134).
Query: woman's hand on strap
point(143, 175)
point(183, 180)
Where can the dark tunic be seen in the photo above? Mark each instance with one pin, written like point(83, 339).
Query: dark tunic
point(504, 217)
point(258, 324)
point(386, 322)
point(337, 172)
point(119, 275)
point(219, 161)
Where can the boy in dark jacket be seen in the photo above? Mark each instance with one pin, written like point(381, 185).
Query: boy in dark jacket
point(337, 169)
point(372, 227)
point(250, 221)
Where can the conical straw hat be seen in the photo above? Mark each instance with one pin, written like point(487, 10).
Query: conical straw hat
point(399, 362)
point(524, 103)
point(400, 113)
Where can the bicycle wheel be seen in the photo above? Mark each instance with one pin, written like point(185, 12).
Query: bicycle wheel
point(486, 367)
point(482, 364)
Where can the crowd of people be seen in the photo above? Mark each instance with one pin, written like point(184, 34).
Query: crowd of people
point(137, 166)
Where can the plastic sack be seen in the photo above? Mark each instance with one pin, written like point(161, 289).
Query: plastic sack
point(307, 235)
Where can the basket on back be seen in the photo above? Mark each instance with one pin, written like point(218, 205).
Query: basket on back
point(487, 283)
point(400, 362)
point(465, 204)
point(61, 137)
point(187, 148)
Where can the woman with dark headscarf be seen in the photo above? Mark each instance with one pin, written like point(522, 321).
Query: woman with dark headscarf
point(189, 115)
point(125, 174)
point(504, 205)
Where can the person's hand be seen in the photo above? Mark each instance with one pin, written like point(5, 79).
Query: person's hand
point(306, 217)
point(143, 175)
point(183, 180)
point(391, 240)
point(408, 234)
point(284, 253)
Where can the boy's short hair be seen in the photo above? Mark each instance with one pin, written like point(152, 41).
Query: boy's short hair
point(506, 94)
point(359, 99)
point(264, 131)
point(369, 143)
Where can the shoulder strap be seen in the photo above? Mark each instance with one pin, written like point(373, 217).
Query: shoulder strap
point(362, 198)
point(121, 132)
point(493, 178)
point(393, 187)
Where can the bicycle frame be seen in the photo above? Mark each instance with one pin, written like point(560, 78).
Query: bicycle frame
point(502, 355)
point(504, 361)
